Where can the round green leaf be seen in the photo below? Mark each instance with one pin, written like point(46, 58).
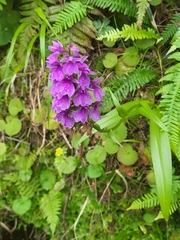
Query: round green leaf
point(126, 155)
point(96, 156)
point(21, 205)
point(2, 148)
point(94, 171)
point(120, 133)
point(155, 2)
point(2, 125)
point(51, 124)
point(131, 57)
point(70, 165)
point(110, 146)
point(108, 43)
point(13, 127)
point(25, 175)
point(110, 60)
point(47, 179)
point(145, 43)
point(15, 106)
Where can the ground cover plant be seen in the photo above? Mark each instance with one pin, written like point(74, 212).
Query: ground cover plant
point(89, 119)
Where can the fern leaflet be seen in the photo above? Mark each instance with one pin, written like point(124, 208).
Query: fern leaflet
point(142, 6)
point(50, 205)
point(169, 105)
point(130, 32)
point(122, 85)
point(126, 7)
point(149, 200)
point(71, 14)
point(171, 29)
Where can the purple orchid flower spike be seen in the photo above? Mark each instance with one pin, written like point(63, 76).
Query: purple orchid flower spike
point(76, 97)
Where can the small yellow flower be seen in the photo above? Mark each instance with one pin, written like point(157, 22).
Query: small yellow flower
point(59, 152)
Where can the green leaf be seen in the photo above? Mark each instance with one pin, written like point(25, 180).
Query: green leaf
point(15, 106)
point(2, 125)
point(110, 60)
point(21, 205)
point(110, 146)
point(25, 175)
point(96, 156)
point(13, 127)
point(47, 179)
point(94, 171)
point(2, 148)
point(162, 165)
point(70, 165)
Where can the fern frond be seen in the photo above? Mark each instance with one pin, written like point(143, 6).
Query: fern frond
point(171, 29)
point(149, 200)
point(174, 206)
point(169, 106)
point(122, 85)
point(126, 7)
point(142, 6)
point(29, 188)
point(72, 13)
point(50, 205)
point(129, 32)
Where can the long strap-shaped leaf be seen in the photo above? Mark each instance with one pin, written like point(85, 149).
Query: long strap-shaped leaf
point(161, 158)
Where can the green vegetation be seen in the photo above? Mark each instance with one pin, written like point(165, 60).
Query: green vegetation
point(118, 177)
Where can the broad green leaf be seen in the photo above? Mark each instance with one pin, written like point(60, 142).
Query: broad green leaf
point(47, 179)
point(21, 205)
point(15, 106)
point(2, 148)
point(13, 127)
point(2, 125)
point(110, 146)
point(162, 164)
point(96, 156)
point(25, 175)
point(94, 171)
point(69, 165)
